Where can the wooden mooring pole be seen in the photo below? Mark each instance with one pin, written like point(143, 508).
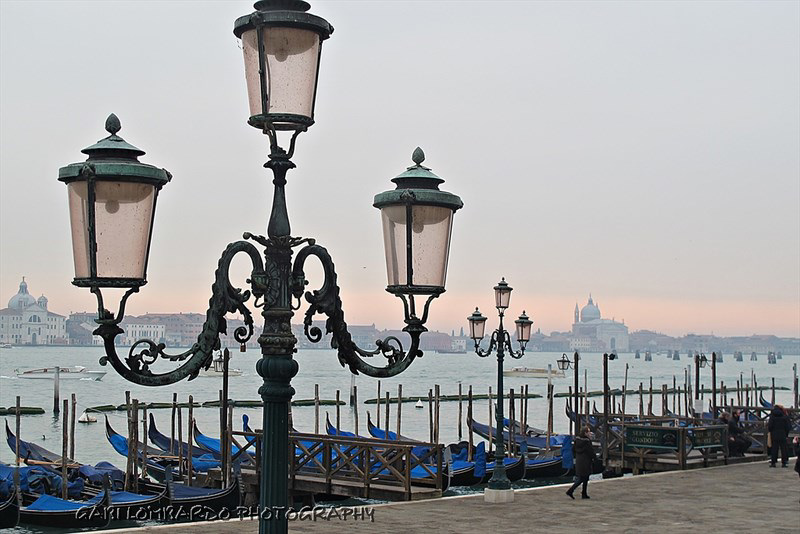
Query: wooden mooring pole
point(386, 426)
point(469, 423)
point(64, 440)
point(316, 406)
point(378, 407)
point(355, 411)
point(190, 440)
point(436, 414)
point(430, 416)
point(460, 412)
point(73, 407)
point(399, 407)
point(338, 411)
point(56, 395)
point(172, 424)
point(16, 439)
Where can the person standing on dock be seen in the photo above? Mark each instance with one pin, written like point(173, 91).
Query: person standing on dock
point(584, 459)
point(779, 427)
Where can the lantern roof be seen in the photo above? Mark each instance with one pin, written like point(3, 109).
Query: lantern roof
point(418, 185)
point(113, 145)
point(114, 158)
point(286, 13)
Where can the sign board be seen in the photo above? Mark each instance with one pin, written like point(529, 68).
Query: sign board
point(651, 437)
point(704, 438)
point(698, 407)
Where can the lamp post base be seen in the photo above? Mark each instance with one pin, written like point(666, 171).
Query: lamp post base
point(498, 496)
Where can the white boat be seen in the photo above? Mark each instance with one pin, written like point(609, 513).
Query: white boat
point(6, 346)
point(86, 418)
point(76, 372)
point(533, 372)
point(217, 369)
point(419, 404)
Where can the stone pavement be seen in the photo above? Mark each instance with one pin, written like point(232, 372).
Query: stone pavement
point(737, 498)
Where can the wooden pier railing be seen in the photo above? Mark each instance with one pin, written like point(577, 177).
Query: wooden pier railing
point(350, 466)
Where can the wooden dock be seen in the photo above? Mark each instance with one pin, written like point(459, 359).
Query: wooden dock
point(737, 498)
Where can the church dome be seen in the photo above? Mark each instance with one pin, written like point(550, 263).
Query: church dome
point(42, 302)
point(22, 299)
point(590, 312)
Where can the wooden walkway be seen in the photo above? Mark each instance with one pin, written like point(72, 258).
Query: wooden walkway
point(736, 498)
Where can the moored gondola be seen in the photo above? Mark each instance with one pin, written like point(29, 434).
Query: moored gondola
point(49, 511)
point(173, 446)
point(9, 508)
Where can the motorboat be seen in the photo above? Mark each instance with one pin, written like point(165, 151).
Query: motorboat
point(534, 372)
point(217, 369)
point(75, 372)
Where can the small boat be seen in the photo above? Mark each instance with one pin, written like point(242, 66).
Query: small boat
point(6, 346)
point(75, 372)
point(217, 369)
point(451, 351)
point(419, 405)
point(533, 372)
point(86, 418)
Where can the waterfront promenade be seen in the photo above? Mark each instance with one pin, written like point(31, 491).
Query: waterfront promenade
point(742, 498)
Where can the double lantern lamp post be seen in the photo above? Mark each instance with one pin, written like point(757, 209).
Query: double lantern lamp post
point(112, 202)
point(563, 364)
point(499, 487)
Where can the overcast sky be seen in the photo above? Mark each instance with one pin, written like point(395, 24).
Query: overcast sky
point(646, 152)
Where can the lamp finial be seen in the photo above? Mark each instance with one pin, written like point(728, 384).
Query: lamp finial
point(112, 124)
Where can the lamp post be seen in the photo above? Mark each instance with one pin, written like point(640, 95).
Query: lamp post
point(112, 198)
point(499, 487)
point(700, 360)
point(565, 363)
point(606, 395)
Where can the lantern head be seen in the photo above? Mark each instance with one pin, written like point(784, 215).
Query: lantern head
point(282, 46)
point(523, 328)
point(112, 205)
point(502, 294)
point(417, 224)
point(477, 325)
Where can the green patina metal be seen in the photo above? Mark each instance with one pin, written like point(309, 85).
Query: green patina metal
point(113, 158)
point(709, 437)
point(651, 437)
point(418, 186)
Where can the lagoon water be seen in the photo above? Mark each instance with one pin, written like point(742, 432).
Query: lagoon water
point(322, 367)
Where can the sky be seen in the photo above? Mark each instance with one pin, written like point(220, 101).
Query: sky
point(647, 153)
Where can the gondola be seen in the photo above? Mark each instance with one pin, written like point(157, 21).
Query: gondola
point(173, 446)
point(764, 402)
point(32, 453)
point(533, 443)
point(540, 465)
point(49, 511)
point(158, 461)
point(385, 434)
point(213, 446)
point(9, 508)
point(571, 415)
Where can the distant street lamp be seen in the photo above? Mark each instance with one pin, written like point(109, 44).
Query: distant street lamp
point(700, 360)
point(606, 403)
point(565, 363)
point(112, 198)
point(499, 487)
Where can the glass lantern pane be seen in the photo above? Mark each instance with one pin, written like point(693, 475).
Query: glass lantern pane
point(502, 298)
point(123, 214)
point(79, 220)
point(477, 329)
point(291, 56)
point(431, 230)
point(523, 332)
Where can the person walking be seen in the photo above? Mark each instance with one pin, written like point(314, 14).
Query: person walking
point(584, 458)
point(779, 427)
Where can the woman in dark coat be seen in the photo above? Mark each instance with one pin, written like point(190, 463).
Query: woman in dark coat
point(584, 458)
point(779, 427)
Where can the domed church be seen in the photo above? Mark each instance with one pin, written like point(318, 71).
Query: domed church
point(27, 321)
point(590, 332)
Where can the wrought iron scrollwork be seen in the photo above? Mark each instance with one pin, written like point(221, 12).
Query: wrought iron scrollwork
point(225, 298)
point(499, 339)
point(326, 300)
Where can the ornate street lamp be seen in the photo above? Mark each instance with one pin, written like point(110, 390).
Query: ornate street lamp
point(606, 403)
point(700, 361)
point(565, 363)
point(112, 206)
point(499, 487)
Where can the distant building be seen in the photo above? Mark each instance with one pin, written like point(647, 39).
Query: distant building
point(80, 327)
point(27, 321)
point(590, 332)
